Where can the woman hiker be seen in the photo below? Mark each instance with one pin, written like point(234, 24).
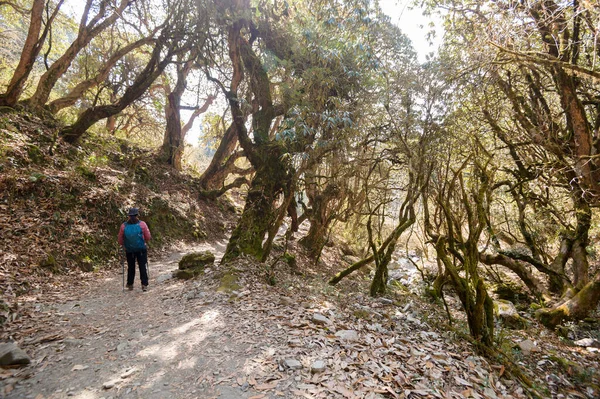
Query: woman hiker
point(133, 236)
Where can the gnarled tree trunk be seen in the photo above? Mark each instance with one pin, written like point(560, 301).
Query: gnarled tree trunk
point(92, 115)
point(85, 35)
point(31, 49)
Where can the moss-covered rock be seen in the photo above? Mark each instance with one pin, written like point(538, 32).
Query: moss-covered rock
point(192, 265)
point(49, 263)
point(506, 311)
point(196, 259)
point(187, 274)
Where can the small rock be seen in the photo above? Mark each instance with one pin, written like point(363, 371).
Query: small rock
point(109, 384)
point(318, 318)
point(386, 301)
point(12, 355)
point(122, 346)
point(318, 367)
point(347, 335)
point(79, 367)
point(164, 277)
point(292, 364)
point(128, 373)
point(553, 379)
point(507, 312)
point(527, 346)
point(588, 342)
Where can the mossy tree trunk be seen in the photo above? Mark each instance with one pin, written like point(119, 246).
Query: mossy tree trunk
point(576, 308)
point(259, 213)
point(320, 216)
point(461, 215)
point(273, 174)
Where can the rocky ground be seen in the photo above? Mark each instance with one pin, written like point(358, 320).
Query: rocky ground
point(298, 339)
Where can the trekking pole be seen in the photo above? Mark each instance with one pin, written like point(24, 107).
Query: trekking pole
point(123, 266)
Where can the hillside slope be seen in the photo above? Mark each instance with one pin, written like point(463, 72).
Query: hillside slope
point(61, 206)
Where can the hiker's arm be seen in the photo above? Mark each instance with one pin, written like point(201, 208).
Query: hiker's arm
point(145, 231)
point(120, 237)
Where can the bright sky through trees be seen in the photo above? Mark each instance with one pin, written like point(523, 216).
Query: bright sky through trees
point(414, 24)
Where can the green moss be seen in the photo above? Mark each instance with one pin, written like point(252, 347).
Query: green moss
point(196, 260)
point(187, 274)
point(86, 172)
point(49, 263)
point(35, 154)
point(290, 259)
point(362, 314)
point(229, 283)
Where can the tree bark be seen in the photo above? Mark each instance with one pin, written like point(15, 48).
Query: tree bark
point(351, 269)
point(31, 49)
point(535, 286)
point(84, 37)
point(78, 91)
point(576, 308)
point(92, 115)
point(259, 213)
point(273, 176)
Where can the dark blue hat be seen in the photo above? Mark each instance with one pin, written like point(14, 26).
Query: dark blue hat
point(133, 212)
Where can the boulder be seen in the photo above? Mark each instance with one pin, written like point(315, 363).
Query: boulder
point(506, 311)
point(12, 355)
point(186, 274)
point(196, 259)
point(193, 264)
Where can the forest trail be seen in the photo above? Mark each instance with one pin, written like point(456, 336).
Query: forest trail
point(183, 339)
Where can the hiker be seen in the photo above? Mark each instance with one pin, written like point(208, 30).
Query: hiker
point(133, 236)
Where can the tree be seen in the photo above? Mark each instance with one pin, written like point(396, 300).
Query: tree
point(176, 27)
point(32, 47)
point(87, 31)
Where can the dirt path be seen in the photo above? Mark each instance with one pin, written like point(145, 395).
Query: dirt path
point(174, 341)
point(185, 340)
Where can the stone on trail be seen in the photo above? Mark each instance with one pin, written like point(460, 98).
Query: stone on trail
point(318, 367)
point(507, 312)
point(527, 346)
point(318, 318)
point(292, 364)
point(347, 335)
point(196, 259)
point(191, 265)
point(128, 373)
point(386, 301)
point(12, 355)
point(109, 384)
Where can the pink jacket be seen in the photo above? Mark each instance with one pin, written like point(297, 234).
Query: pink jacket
point(145, 232)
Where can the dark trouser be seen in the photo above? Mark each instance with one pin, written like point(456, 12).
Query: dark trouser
point(142, 259)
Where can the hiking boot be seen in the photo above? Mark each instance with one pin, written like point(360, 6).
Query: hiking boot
point(129, 287)
point(144, 288)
